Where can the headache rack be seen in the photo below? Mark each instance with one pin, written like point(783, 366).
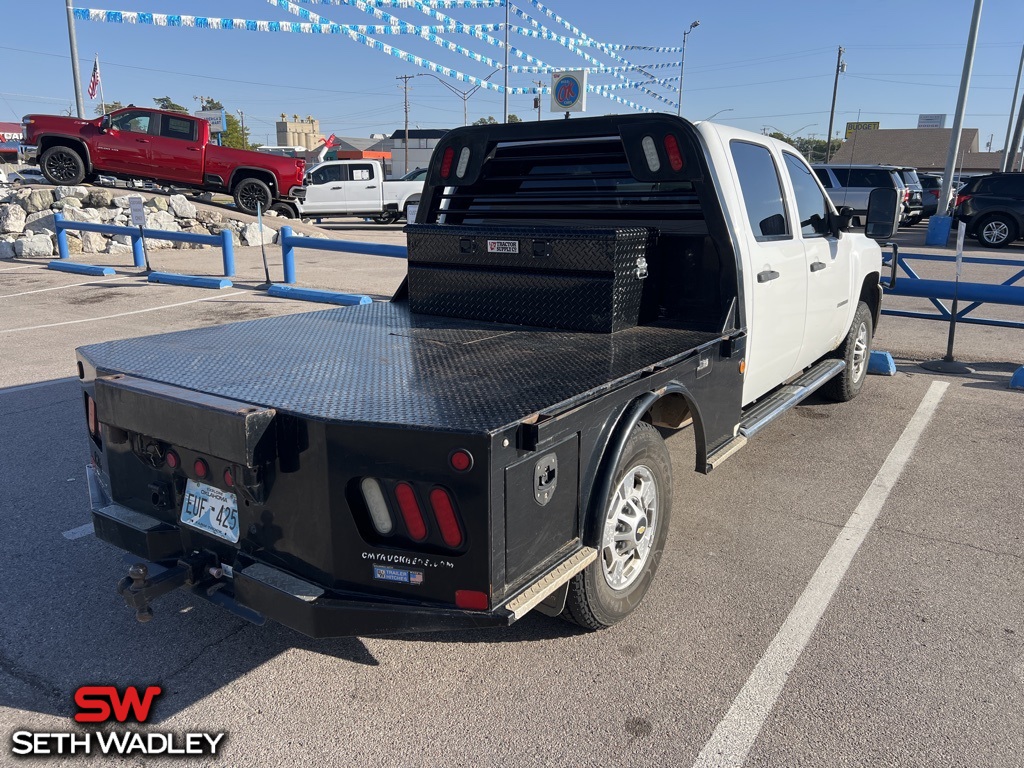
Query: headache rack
point(581, 180)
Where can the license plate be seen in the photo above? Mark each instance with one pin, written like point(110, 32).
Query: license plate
point(211, 509)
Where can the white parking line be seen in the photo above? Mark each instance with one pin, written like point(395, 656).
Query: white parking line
point(736, 733)
point(122, 314)
point(25, 266)
point(79, 532)
point(61, 287)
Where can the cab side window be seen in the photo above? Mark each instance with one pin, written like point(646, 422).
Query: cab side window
point(762, 190)
point(811, 205)
point(135, 121)
point(361, 172)
point(178, 128)
point(326, 175)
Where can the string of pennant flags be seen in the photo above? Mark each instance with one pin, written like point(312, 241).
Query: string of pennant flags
point(312, 23)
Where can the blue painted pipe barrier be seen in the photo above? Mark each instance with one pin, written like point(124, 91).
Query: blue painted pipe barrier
point(289, 242)
point(943, 289)
point(136, 234)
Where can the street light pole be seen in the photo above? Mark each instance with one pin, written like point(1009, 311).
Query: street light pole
point(840, 67)
point(682, 66)
point(464, 95)
point(74, 61)
point(506, 59)
point(245, 140)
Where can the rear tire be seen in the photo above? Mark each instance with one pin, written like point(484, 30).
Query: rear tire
point(284, 210)
point(631, 529)
point(856, 351)
point(997, 231)
point(387, 217)
point(62, 166)
point(249, 192)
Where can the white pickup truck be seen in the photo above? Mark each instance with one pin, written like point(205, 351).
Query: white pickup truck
point(486, 442)
point(355, 188)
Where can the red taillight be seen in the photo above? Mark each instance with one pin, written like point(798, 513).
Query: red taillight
point(675, 157)
point(202, 469)
point(961, 199)
point(444, 513)
point(172, 459)
point(470, 600)
point(411, 513)
point(461, 460)
point(229, 479)
point(446, 162)
point(934, 193)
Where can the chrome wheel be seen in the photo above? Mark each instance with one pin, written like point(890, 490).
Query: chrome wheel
point(995, 232)
point(860, 352)
point(629, 528)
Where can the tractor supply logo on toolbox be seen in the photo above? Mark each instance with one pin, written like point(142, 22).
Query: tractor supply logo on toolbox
point(104, 704)
point(503, 246)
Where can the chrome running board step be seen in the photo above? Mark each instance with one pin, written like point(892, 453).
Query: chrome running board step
point(780, 401)
point(534, 594)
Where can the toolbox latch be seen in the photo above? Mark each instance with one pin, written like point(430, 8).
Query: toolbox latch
point(545, 475)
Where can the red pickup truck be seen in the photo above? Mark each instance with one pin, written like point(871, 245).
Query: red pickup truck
point(167, 147)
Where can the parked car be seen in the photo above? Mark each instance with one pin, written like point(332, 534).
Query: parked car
point(850, 185)
point(28, 176)
point(915, 197)
point(420, 174)
point(992, 207)
point(931, 188)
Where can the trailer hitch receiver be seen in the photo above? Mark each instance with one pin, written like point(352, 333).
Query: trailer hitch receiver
point(140, 587)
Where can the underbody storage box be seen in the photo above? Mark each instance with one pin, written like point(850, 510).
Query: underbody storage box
point(571, 278)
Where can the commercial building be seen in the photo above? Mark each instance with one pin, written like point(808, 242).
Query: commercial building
point(921, 148)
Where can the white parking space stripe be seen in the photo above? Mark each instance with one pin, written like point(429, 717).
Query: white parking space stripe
point(79, 532)
point(25, 266)
point(122, 314)
point(736, 733)
point(62, 287)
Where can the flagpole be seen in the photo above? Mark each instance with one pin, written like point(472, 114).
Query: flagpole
point(103, 102)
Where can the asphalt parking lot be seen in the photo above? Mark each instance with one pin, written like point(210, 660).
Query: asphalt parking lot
point(845, 591)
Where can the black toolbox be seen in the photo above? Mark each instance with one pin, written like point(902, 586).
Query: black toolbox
point(579, 278)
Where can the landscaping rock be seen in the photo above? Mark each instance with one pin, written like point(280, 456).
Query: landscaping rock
point(40, 220)
point(12, 218)
point(253, 235)
point(107, 215)
point(38, 200)
point(75, 245)
point(182, 208)
point(33, 246)
point(99, 198)
point(68, 202)
point(6, 250)
point(161, 220)
point(93, 242)
point(159, 203)
point(82, 214)
point(118, 248)
point(63, 193)
point(122, 239)
point(122, 201)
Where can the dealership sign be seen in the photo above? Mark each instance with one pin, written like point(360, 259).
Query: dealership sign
point(852, 128)
point(569, 91)
point(216, 118)
point(931, 121)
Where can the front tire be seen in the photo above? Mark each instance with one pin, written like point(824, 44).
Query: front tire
point(387, 217)
point(62, 166)
point(284, 210)
point(997, 231)
point(249, 193)
point(632, 530)
point(856, 351)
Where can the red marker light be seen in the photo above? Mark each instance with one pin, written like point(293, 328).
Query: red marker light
point(410, 509)
point(675, 157)
point(446, 162)
point(470, 600)
point(172, 459)
point(444, 513)
point(202, 469)
point(461, 460)
point(229, 479)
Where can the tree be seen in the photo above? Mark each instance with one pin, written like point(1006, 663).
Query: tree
point(110, 107)
point(165, 103)
point(489, 120)
point(812, 149)
point(234, 136)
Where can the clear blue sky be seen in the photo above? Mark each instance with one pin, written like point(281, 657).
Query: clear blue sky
point(763, 63)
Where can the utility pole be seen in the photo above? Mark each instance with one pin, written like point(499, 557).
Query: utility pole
point(840, 67)
point(506, 59)
point(245, 141)
point(405, 84)
point(74, 60)
point(946, 194)
point(538, 97)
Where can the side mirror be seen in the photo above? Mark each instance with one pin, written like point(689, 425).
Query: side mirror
point(839, 222)
point(883, 213)
point(104, 123)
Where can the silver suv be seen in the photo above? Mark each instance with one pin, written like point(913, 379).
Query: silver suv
point(850, 185)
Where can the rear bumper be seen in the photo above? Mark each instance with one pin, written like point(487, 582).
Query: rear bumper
point(28, 154)
point(256, 591)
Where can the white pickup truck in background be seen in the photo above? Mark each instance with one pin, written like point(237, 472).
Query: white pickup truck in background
point(356, 188)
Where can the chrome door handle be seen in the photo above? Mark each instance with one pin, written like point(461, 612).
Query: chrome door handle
point(143, 141)
point(767, 276)
point(817, 266)
point(194, 149)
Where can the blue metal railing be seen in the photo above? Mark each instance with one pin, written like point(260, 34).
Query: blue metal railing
point(976, 294)
point(224, 240)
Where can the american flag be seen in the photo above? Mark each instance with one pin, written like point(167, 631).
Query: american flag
point(94, 81)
